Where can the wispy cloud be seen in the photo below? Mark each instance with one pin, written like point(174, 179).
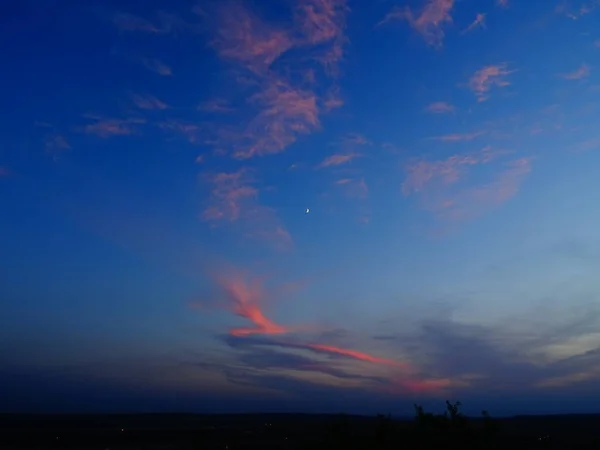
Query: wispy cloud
point(448, 170)
point(576, 13)
point(583, 71)
point(130, 22)
point(474, 201)
point(323, 21)
point(190, 131)
point(440, 108)
point(597, 43)
point(106, 128)
point(56, 144)
point(487, 77)
point(234, 197)
point(244, 38)
point(149, 102)
point(354, 187)
point(157, 66)
point(338, 159)
point(479, 22)
point(217, 105)
point(444, 189)
point(244, 299)
point(283, 108)
point(459, 137)
point(353, 354)
point(4, 172)
point(502, 3)
point(429, 23)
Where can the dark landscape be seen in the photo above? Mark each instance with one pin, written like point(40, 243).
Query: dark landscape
point(296, 431)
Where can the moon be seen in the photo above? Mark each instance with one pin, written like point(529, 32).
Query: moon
point(307, 211)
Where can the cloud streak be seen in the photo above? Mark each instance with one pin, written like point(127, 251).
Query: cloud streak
point(106, 128)
point(149, 102)
point(479, 22)
point(440, 108)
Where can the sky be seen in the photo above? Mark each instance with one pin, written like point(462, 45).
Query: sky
point(300, 206)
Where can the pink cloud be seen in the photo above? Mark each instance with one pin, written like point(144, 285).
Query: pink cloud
point(354, 187)
point(582, 72)
point(474, 201)
point(157, 66)
point(459, 137)
point(353, 354)
point(106, 128)
point(440, 108)
point(234, 197)
point(338, 159)
point(332, 100)
point(479, 22)
point(487, 77)
point(149, 102)
point(246, 39)
point(447, 171)
point(597, 43)
point(502, 3)
point(323, 21)
point(4, 172)
point(429, 23)
point(285, 113)
point(244, 299)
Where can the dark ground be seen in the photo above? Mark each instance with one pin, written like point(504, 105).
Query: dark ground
point(153, 432)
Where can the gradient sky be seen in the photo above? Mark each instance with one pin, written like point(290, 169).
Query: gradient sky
point(300, 205)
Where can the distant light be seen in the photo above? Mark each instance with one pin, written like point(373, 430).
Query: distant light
point(122, 429)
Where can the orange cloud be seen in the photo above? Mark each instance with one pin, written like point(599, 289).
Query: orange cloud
point(478, 22)
point(440, 108)
point(157, 66)
point(106, 128)
point(582, 72)
point(487, 77)
point(353, 354)
point(149, 102)
point(430, 23)
point(244, 300)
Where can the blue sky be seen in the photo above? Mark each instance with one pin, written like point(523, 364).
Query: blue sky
point(301, 205)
